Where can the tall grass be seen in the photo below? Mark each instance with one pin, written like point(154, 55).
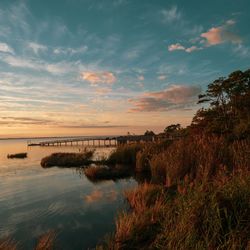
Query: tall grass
point(125, 154)
point(207, 216)
point(67, 159)
point(200, 198)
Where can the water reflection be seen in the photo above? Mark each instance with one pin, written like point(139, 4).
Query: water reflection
point(34, 200)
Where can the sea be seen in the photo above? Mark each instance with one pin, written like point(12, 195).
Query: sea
point(35, 200)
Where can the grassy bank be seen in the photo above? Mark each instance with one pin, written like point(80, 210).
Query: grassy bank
point(198, 197)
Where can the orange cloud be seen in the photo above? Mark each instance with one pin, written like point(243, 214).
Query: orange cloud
point(98, 77)
point(213, 36)
point(221, 34)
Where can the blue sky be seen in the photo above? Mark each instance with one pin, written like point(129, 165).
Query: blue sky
point(79, 67)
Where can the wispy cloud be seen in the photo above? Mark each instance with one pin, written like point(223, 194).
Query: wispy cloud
point(214, 36)
point(98, 77)
point(61, 67)
point(162, 77)
point(173, 97)
point(178, 46)
point(170, 15)
point(4, 47)
point(36, 47)
point(70, 51)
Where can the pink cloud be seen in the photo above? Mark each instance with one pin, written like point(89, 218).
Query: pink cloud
point(221, 34)
point(98, 77)
point(173, 97)
point(213, 36)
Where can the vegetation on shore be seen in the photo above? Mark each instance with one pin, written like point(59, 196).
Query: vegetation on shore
point(18, 155)
point(114, 172)
point(67, 159)
point(199, 193)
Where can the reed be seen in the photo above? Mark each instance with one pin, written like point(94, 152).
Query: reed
point(98, 173)
point(67, 159)
point(125, 154)
point(198, 198)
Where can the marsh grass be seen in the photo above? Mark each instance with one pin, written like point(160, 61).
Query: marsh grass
point(207, 216)
point(125, 154)
point(18, 155)
point(99, 173)
point(67, 159)
point(198, 198)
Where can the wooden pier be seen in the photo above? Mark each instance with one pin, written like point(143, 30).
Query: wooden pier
point(94, 142)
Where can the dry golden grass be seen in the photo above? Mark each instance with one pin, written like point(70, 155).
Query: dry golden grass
point(98, 173)
point(203, 204)
point(67, 159)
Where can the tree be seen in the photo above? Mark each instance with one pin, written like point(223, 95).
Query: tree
point(149, 133)
point(229, 106)
point(172, 128)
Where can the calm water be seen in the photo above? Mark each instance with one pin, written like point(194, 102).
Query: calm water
point(34, 200)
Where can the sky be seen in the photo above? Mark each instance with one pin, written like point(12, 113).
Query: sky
point(109, 67)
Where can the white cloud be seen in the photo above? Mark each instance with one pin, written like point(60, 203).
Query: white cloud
point(4, 47)
point(162, 77)
point(36, 47)
point(71, 51)
point(170, 15)
point(178, 46)
point(62, 67)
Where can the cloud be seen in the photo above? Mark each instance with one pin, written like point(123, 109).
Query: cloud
point(221, 34)
point(173, 97)
point(6, 48)
point(36, 47)
point(178, 46)
point(70, 51)
point(170, 15)
point(162, 77)
point(9, 120)
point(98, 77)
point(242, 51)
point(62, 67)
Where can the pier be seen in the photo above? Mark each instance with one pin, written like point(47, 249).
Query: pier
point(94, 141)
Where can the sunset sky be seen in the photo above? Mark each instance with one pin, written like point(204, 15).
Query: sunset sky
point(102, 67)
